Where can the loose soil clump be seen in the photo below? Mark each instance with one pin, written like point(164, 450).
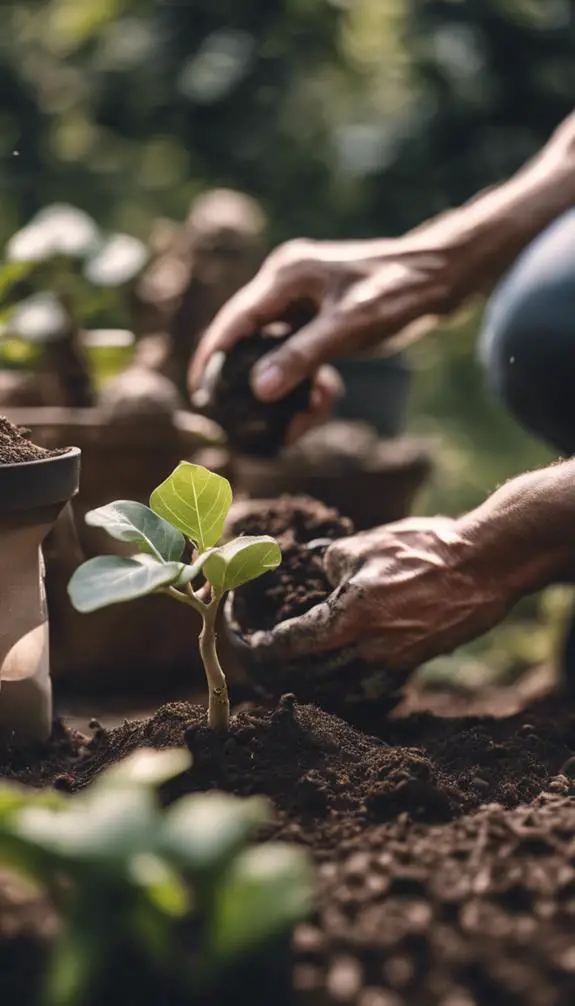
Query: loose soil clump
point(254, 427)
point(444, 847)
point(16, 447)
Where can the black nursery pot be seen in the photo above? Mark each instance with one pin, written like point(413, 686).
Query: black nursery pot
point(338, 681)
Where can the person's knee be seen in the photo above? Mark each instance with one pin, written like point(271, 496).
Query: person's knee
point(527, 345)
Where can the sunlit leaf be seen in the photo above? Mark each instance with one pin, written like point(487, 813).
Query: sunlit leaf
point(12, 273)
point(162, 885)
point(146, 767)
point(263, 894)
point(39, 318)
point(77, 958)
point(129, 521)
point(103, 825)
point(241, 560)
point(196, 501)
point(119, 259)
point(202, 832)
point(111, 579)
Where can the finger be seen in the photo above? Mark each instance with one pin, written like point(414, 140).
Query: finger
point(299, 357)
point(341, 560)
point(327, 626)
point(255, 305)
point(328, 387)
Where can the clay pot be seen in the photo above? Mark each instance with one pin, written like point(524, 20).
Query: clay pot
point(381, 491)
point(376, 392)
point(32, 494)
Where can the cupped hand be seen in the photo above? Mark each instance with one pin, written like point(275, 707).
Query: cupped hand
point(403, 594)
point(362, 292)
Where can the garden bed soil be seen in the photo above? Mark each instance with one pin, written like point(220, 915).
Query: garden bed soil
point(444, 846)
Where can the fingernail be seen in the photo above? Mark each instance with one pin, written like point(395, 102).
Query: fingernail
point(268, 381)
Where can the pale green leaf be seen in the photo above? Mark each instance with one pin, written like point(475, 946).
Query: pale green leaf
point(241, 560)
point(202, 832)
point(196, 501)
point(264, 893)
point(78, 957)
point(111, 579)
point(103, 825)
point(146, 767)
point(191, 571)
point(161, 884)
point(12, 273)
point(129, 521)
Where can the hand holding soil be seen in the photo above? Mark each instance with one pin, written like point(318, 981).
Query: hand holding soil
point(403, 594)
point(362, 292)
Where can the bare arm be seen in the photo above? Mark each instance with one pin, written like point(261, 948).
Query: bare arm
point(525, 532)
point(381, 291)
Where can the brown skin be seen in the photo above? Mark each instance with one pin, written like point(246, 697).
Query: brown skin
point(410, 591)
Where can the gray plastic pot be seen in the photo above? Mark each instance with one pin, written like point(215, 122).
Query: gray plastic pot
point(376, 391)
point(32, 494)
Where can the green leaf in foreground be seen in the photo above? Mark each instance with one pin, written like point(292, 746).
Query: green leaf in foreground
point(129, 521)
point(265, 892)
point(203, 832)
point(241, 560)
point(196, 501)
point(110, 579)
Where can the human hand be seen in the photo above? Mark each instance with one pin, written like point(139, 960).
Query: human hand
point(362, 293)
point(403, 594)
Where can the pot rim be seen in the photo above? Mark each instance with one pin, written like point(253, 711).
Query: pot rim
point(27, 485)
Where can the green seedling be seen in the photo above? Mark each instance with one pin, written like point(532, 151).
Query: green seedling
point(192, 504)
point(126, 874)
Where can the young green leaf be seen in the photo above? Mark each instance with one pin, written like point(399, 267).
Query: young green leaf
point(241, 560)
point(203, 832)
point(146, 767)
point(129, 521)
point(110, 579)
point(196, 501)
point(266, 890)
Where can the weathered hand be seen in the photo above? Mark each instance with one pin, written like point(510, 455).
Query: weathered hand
point(403, 594)
point(364, 292)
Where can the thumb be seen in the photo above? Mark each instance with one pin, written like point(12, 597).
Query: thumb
point(299, 357)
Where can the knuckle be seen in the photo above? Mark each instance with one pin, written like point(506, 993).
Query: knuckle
point(291, 254)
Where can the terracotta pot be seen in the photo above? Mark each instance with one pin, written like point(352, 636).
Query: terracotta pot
point(32, 494)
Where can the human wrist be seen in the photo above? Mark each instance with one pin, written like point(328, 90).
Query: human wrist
point(482, 238)
point(523, 536)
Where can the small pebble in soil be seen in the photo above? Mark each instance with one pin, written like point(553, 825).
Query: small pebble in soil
point(65, 783)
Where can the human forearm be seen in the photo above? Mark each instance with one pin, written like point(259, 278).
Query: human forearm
point(483, 238)
point(524, 534)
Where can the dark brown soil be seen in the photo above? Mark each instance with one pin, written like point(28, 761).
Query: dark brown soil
point(254, 427)
point(15, 446)
point(337, 681)
point(445, 876)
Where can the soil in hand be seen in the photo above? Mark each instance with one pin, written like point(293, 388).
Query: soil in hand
point(336, 681)
point(253, 427)
point(16, 447)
